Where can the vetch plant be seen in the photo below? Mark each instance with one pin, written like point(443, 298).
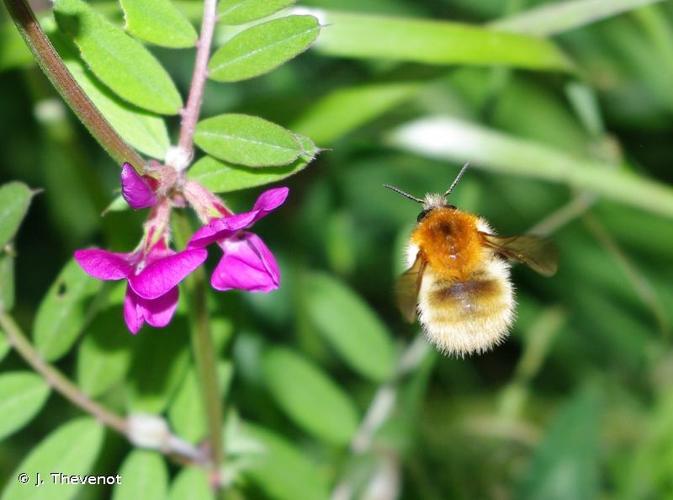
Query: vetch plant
point(126, 120)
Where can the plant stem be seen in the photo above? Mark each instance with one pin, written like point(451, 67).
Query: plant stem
point(202, 343)
point(204, 352)
point(56, 379)
point(190, 114)
point(174, 447)
point(206, 362)
point(52, 66)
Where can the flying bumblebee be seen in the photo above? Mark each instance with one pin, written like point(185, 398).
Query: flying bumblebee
point(458, 281)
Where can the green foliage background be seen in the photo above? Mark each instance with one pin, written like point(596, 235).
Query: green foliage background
point(576, 404)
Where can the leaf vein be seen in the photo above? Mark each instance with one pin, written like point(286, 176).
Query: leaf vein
point(246, 139)
point(261, 49)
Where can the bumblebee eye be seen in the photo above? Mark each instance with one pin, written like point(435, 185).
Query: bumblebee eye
point(422, 215)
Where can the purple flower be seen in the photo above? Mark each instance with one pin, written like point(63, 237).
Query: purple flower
point(247, 263)
point(152, 276)
point(136, 189)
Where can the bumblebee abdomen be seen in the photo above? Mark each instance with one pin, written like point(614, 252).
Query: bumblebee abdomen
point(465, 317)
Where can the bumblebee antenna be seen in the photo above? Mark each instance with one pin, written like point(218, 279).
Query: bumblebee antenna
point(456, 180)
point(406, 195)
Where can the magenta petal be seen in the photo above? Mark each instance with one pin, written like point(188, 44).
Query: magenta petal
point(104, 265)
point(269, 200)
point(159, 312)
point(225, 227)
point(135, 190)
point(132, 312)
point(161, 275)
point(247, 264)
point(221, 228)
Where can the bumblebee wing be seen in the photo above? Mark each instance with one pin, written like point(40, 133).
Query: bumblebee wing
point(539, 254)
point(407, 287)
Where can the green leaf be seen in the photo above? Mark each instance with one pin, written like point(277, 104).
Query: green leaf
point(63, 312)
point(346, 109)
point(559, 17)
point(341, 111)
point(244, 11)
point(14, 202)
point(565, 465)
point(263, 47)
point(143, 130)
point(186, 413)
point(454, 140)
point(6, 281)
point(362, 36)
point(159, 363)
point(22, 394)
point(247, 140)
point(70, 449)
point(309, 397)
point(144, 475)
point(158, 22)
point(223, 177)
point(281, 470)
point(104, 356)
point(118, 60)
point(350, 326)
point(191, 484)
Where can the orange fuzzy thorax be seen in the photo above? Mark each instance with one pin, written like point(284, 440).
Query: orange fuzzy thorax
point(450, 243)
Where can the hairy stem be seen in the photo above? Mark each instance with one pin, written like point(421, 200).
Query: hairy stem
point(52, 66)
point(190, 114)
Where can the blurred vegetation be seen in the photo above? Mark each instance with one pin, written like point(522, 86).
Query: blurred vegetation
point(576, 404)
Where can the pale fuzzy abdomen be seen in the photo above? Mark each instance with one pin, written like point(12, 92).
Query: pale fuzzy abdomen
point(467, 317)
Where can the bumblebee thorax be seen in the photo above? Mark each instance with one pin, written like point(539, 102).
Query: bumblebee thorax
point(449, 241)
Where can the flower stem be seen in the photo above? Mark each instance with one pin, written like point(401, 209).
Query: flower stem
point(52, 66)
point(190, 114)
point(204, 352)
point(202, 343)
